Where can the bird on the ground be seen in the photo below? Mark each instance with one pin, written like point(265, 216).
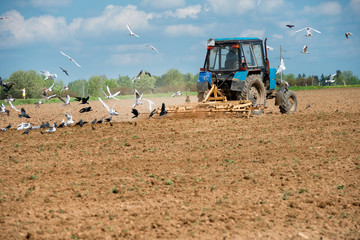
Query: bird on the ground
point(23, 114)
point(6, 85)
point(93, 128)
point(85, 109)
point(70, 58)
point(308, 31)
point(69, 118)
point(51, 129)
point(163, 110)
point(37, 104)
point(64, 71)
point(23, 126)
point(305, 50)
point(308, 106)
point(3, 110)
point(26, 131)
point(49, 75)
point(152, 47)
point(135, 112)
point(111, 111)
point(35, 127)
point(65, 102)
point(80, 123)
point(281, 66)
point(93, 121)
point(62, 124)
point(8, 126)
point(348, 34)
point(113, 96)
point(100, 120)
point(108, 119)
point(131, 32)
point(177, 93)
point(290, 25)
point(152, 113)
point(137, 76)
point(13, 107)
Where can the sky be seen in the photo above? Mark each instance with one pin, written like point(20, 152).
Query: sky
point(95, 35)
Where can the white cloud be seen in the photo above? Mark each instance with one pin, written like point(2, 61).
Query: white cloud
point(259, 33)
point(277, 36)
point(191, 12)
point(164, 4)
point(184, 29)
point(231, 6)
point(325, 8)
point(18, 30)
point(49, 3)
point(355, 5)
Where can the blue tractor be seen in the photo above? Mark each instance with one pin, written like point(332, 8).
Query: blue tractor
point(238, 69)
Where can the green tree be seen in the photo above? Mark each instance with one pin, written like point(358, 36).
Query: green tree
point(145, 83)
point(172, 80)
point(95, 85)
point(80, 87)
point(30, 80)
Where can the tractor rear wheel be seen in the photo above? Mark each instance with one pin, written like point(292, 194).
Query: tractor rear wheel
point(288, 103)
point(254, 90)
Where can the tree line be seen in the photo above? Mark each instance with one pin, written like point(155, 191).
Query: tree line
point(173, 80)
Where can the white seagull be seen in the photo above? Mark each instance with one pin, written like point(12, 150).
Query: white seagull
point(13, 107)
point(131, 32)
point(65, 101)
point(348, 34)
point(151, 103)
point(137, 99)
point(138, 76)
point(70, 58)
point(111, 111)
point(49, 97)
point(23, 126)
point(269, 48)
point(281, 66)
point(331, 80)
point(69, 118)
point(3, 110)
point(178, 93)
point(152, 47)
point(113, 96)
point(308, 31)
point(305, 51)
point(48, 75)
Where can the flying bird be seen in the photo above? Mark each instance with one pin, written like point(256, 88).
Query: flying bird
point(70, 58)
point(6, 85)
point(64, 71)
point(290, 25)
point(9, 98)
point(85, 100)
point(69, 118)
point(178, 93)
point(113, 96)
point(151, 103)
point(152, 47)
point(2, 18)
point(37, 104)
point(131, 32)
point(331, 80)
point(348, 34)
point(138, 76)
point(65, 102)
point(163, 110)
point(50, 97)
point(281, 66)
point(47, 90)
point(308, 31)
point(111, 111)
point(3, 110)
point(305, 51)
point(48, 75)
point(23, 114)
point(269, 48)
point(135, 112)
point(152, 113)
point(65, 88)
point(137, 99)
point(13, 107)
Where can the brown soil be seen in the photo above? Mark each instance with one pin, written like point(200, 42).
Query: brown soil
point(213, 176)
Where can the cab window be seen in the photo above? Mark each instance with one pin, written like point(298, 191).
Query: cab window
point(258, 55)
point(248, 54)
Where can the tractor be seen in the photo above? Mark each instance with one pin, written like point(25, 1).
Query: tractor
point(238, 69)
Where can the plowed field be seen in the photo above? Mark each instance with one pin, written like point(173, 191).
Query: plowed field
point(272, 176)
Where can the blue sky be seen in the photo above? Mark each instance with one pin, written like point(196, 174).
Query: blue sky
point(94, 33)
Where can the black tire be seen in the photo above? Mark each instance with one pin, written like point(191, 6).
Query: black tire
point(254, 90)
point(288, 103)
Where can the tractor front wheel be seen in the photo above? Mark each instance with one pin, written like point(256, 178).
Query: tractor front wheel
point(288, 103)
point(254, 90)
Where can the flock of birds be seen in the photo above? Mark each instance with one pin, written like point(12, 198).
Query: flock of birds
point(309, 31)
point(45, 96)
